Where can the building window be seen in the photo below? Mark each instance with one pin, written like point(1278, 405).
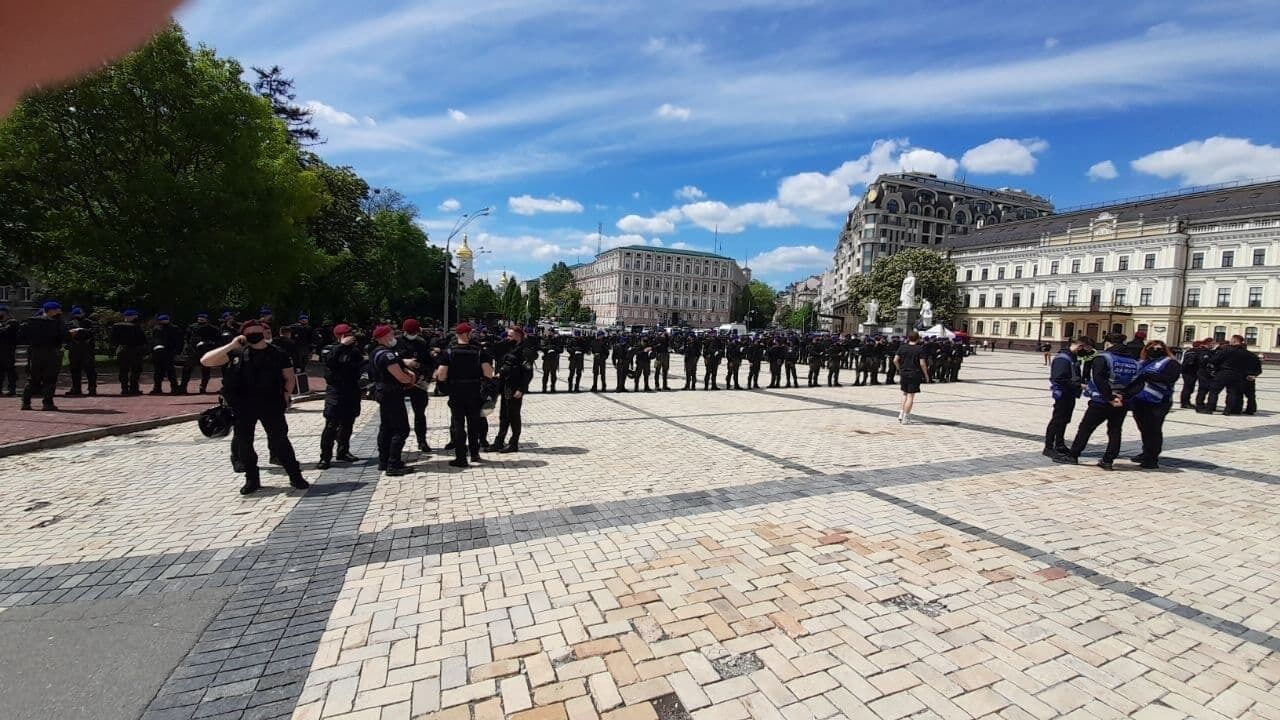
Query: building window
point(1075, 266)
point(968, 275)
point(1013, 329)
point(1000, 273)
point(1149, 261)
point(979, 327)
point(995, 327)
point(1119, 296)
point(1228, 258)
point(985, 273)
point(1189, 333)
point(1193, 297)
point(1053, 268)
point(1017, 300)
point(1220, 333)
point(1017, 272)
point(1259, 256)
point(1255, 297)
point(891, 206)
point(1048, 329)
point(1097, 264)
point(999, 299)
point(967, 299)
point(1051, 297)
point(1144, 297)
point(1124, 262)
point(1069, 330)
point(1224, 297)
point(1073, 297)
point(1251, 336)
point(961, 217)
point(1197, 260)
point(982, 300)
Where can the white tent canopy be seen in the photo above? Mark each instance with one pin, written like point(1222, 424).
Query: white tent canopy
point(938, 331)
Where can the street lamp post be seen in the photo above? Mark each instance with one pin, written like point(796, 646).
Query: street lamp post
point(458, 227)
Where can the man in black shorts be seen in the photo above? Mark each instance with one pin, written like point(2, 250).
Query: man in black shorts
point(913, 371)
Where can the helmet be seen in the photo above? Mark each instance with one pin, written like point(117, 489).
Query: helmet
point(216, 422)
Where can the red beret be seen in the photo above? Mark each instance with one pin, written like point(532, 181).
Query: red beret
point(462, 329)
point(244, 326)
point(341, 329)
point(411, 326)
point(381, 331)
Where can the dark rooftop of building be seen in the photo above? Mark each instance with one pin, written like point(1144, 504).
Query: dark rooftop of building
point(671, 251)
point(1197, 205)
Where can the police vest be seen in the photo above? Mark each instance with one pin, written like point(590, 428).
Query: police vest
point(1054, 389)
point(1153, 391)
point(1120, 368)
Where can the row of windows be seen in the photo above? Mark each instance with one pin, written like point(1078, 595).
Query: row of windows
point(1099, 264)
point(1119, 296)
point(689, 266)
point(1224, 297)
point(1228, 258)
point(1190, 333)
point(628, 282)
point(668, 301)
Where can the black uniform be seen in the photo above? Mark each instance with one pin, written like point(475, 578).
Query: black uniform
point(733, 354)
point(130, 341)
point(201, 338)
point(776, 355)
point(661, 362)
point(641, 364)
point(9, 356)
point(789, 364)
point(166, 345)
point(599, 358)
point(514, 377)
point(465, 363)
point(622, 359)
point(393, 428)
point(82, 335)
point(578, 347)
point(755, 355)
point(1065, 382)
point(835, 361)
point(419, 348)
point(1191, 360)
point(253, 384)
point(43, 337)
point(551, 350)
point(692, 349)
point(343, 366)
point(712, 351)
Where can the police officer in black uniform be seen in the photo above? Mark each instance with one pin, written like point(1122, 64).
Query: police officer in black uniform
point(343, 365)
point(258, 383)
point(733, 353)
point(201, 338)
point(463, 366)
point(755, 355)
point(661, 345)
point(776, 355)
point(814, 350)
point(692, 351)
point(43, 335)
point(712, 352)
point(835, 362)
point(514, 380)
point(1065, 384)
point(130, 341)
point(552, 347)
point(8, 352)
point(166, 345)
point(577, 360)
point(82, 335)
point(599, 360)
point(622, 359)
point(418, 348)
point(392, 374)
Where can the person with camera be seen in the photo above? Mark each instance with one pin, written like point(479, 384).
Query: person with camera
point(343, 365)
point(393, 375)
point(463, 366)
point(258, 384)
point(514, 378)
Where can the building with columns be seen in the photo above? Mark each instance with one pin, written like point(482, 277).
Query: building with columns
point(647, 285)
point(1181, 266)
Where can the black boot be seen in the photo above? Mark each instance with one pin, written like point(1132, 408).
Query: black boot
point(251, 485)
point(324, 464)
point(512, 448)
point(346, 456)
point(297, 482)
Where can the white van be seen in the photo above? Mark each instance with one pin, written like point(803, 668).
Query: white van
point(731, 328)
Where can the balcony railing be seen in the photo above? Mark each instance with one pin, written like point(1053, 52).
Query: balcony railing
point(1088, 307)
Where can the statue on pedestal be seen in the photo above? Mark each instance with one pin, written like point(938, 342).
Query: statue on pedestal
point(907, 297)
point(926, 313)
point(873, 309)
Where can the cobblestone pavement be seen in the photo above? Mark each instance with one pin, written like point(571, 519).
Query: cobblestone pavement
point(790, 553)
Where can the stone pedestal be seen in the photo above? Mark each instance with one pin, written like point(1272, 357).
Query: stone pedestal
point(869, 328)
point(906, 320)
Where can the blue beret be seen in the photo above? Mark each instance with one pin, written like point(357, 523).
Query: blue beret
point(162, 318)
point(226, 315)
point(130, 313)
point(304, 316)
point(204, 315)
point(51, 305)
point(77, 310)
point(265, 310)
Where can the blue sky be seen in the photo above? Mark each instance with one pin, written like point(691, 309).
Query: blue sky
point(663, 120)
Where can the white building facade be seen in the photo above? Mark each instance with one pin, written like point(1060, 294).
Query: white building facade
point(645, 285)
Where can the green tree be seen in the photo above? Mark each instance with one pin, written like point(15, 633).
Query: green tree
point(160, 181)
point(935, 280)
point(340, 224)
point(802, 318)
point(278, 90)
point(755, 305)
point(478, 300)
point(512, 307)
point(556, 279)
point(385, 198)
point(534, 311)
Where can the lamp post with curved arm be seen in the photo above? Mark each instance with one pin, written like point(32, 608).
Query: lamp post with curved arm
point(462, 223)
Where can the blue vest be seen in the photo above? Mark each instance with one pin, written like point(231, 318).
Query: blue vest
point(1153, 392)
point(1121, 369)
point(1057, 391)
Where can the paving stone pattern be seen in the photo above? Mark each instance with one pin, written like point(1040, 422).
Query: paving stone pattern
point(793, 553)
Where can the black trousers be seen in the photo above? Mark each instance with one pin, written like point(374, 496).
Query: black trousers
point(661, 367)
point(130, 360)
point(393, 427)
point(775, 373)
point(162, 364)
point(8, 369)
point(83, 368)
point(753, 375)
point(1232, 383)
point(598, 372)
point(550, 373)
point(792, 377)
point(890, 373)
point(731, 375)
point(336, 429)
point(620, 373)
point(642, 371)
point(1204, 387)
point(189, 369)
point(1150, 420)
point(709, 379)
point(833, 375)
point(277, 429)
point(1249, 389)
point(690, 373)
point(509, 418)
point(1095, 415)
point(466, 425)
point(1188, 389)
point(43, 365)
point(1055, 433)
point(576, 366)
point(814, 371)
point(418, 401)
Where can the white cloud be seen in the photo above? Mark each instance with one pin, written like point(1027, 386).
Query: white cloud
point(1213, 160)
point(660, 224)
point(815, 191)
point(674, 112)
point(832, 193)
point(1004, 155)
point(790, 259)
point(529, 205)
point(672, 49)
point(329, 115)
point(1050, 43)
point(928, 161)
point(457, 115)
point(713, 214)
point(635, 195)
point(1105, 170)
point(690, 192)
point(450, 205)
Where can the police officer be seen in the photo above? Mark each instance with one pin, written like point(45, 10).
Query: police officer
point(755, 355)
point(43, 335)
point(733, 353)
point(622, 359)
point(131, 346)
point(418, 348)
point(1110, 372)
point(392, 375)
point(599, 358)
point(577, 349)
point(8, 352)
point(692, 351)
point(463, 366)
point(776, 355)
point(228, 327)
point(513, 376)
point(305, 337)
point(343, 366)
point(1065, 383)
point(1191, 359)
point(789, 363)
point(835, 361)
point(641, 363)
point(661, 361)
point(258, 383)
point(712, 351)
point(201, 338)
point(166, 345)
point(1151, 397)
point(82, 334)
point(551, 350)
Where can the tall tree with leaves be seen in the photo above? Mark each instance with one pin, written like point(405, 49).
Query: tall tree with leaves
point(512, 305)
point(935, 280)
point(388, 199)
point(278, 90)
point(534, 312)
point(478, 300)
point(755, 305)
point(556, 279)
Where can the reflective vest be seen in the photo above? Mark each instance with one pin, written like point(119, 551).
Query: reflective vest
point(1153, 392)
point(1120, 368)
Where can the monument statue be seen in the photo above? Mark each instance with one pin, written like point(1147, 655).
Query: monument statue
point(873, 308)
point(907, 298)
point(926, 313)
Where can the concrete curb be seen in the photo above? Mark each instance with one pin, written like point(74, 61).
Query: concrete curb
point(79, 436)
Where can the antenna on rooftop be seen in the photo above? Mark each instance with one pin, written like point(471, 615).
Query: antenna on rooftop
point(716, 242)
point(599, 236)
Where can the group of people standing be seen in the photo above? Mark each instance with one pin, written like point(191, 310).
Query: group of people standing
point(1139, 377)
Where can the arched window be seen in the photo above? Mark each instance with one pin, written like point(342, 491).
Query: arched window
point(928, 211)
point(914, 209)
point(891, 206)
point(962, 218)
point(942, 213)
point(992, 220)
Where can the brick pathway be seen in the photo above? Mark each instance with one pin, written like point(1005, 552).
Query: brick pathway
point(788, 553)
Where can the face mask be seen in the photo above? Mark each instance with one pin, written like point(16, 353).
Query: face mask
point(393, 342)
point(411, 337)
point(254, 338)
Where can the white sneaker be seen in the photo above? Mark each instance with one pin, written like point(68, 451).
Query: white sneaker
point(906, 420)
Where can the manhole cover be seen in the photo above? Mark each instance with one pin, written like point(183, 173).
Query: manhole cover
point(731, 666)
